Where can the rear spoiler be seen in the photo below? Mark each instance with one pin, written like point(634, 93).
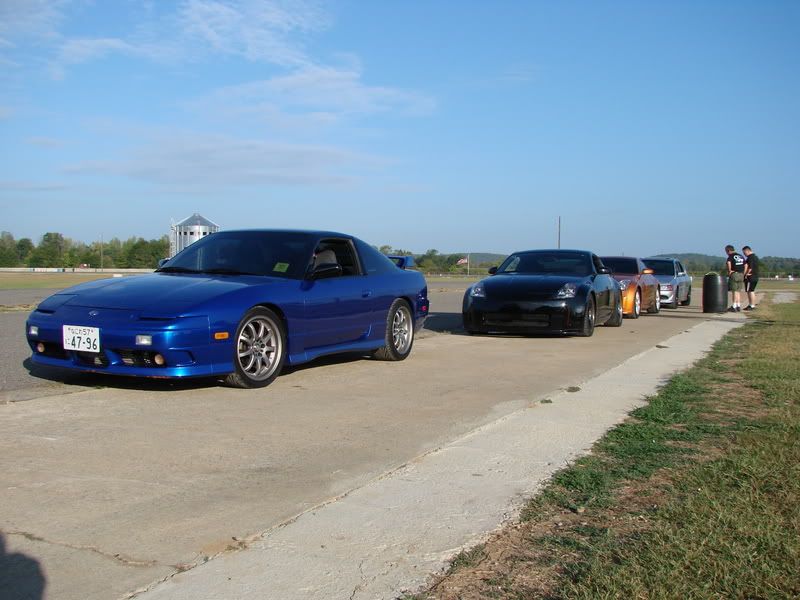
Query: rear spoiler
point(404, 262)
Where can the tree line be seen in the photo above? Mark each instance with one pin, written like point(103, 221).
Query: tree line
point(55, 250)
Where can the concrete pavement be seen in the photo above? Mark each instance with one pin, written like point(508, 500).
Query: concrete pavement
point(113, 488)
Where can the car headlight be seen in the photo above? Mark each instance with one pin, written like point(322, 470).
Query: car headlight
point(568, 290)
point(666, 287)
point(623, 284)
point(477, 291)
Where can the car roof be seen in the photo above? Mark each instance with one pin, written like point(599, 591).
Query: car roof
point(310, 232)
point(556, 250)
point(666, 258)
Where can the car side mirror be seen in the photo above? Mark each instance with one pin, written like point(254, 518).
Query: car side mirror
point(647, 271)
point(604, 271)
point(681, 273)
point(326, 270)
point(492, 270)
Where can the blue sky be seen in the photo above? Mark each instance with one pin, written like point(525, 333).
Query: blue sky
point(459, 125)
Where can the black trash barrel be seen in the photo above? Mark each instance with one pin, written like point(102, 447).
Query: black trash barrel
point(715, 293)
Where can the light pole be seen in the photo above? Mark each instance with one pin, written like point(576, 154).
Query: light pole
point(559, 232)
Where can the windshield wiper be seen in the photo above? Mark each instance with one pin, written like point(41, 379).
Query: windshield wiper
point(176, 270)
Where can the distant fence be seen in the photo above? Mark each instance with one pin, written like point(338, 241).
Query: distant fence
point(69, 270)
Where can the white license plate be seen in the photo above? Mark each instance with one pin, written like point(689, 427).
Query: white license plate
point(84, 339)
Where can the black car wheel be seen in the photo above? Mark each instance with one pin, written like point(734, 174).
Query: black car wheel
point(637, 305)
point(260, 349)
point(399, 336)
point(688, 300)
point(656, 307)
point(589, 315)
point(616, 318)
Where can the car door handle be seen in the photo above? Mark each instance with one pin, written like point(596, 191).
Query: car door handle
point(366, 293)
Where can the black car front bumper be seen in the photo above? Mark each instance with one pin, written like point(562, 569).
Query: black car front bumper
point(542, 316)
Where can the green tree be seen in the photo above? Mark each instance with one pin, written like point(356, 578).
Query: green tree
point(24, 248)
point(50, 251)
point(8, 250)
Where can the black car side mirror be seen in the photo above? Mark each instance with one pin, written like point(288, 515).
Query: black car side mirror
point(326, 270)
point(492, 270)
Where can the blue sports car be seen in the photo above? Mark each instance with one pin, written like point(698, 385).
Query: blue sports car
point(239, 304)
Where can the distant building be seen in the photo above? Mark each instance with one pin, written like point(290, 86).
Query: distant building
point(188, 231)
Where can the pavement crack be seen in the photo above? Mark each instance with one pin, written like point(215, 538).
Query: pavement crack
point(360, 586)
point(116, 557)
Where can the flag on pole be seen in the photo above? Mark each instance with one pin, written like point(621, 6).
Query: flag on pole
point(463, 261)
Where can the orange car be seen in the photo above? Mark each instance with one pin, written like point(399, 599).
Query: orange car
point(640, 288)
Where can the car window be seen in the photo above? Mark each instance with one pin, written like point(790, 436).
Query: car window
point(275, 253)
point(628, 266)
point(373, 261)
point(335, 251)
point(543, 262)
point(661, 266)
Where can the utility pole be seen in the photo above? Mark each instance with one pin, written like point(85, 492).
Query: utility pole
point(559, 232)
point(101, 251)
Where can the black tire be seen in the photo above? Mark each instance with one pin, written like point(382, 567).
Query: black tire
point(259, 350)
point(589, 316)
point(688, 300)
point(637, 305)
point(656, 307)
point(399, 335)
point(616, 318)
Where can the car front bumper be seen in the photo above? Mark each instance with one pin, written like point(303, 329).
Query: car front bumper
point(542, 316)
point(185, 347)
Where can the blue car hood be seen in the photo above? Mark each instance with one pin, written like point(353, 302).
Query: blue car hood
point(159, 294)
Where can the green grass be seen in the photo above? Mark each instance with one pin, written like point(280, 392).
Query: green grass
point(697, 495)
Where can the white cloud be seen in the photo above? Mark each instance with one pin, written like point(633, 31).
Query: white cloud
point(196, 161)
point(256, 30)
point(315, 94)
point(44, 142)
point(30, 18)
point(30, 186)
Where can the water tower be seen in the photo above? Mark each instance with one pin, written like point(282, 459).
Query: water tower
point(189, 231)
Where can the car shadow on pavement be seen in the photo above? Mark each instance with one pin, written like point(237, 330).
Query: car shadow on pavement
point(21, 576)
point(445, 322)
point(71, 379)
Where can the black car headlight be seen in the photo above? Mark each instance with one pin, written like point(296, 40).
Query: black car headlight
point(477, 291)
point(568, 290)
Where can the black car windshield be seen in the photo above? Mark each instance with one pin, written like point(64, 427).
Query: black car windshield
point(548, 263)
point(661, 267)
point(628, 266)
point(275, 253)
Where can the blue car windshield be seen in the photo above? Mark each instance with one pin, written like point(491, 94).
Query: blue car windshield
point(548, 263)
point(275, 253)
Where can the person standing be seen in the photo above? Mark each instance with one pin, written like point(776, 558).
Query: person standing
point(735, 266)
point(751, 268)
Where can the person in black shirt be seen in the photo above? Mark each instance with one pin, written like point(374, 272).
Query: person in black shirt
point(735, 265)
point(750, 276)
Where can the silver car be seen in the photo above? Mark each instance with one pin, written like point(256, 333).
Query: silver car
point(676, 283)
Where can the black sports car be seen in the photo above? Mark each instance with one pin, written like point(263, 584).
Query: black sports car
point(544, 291)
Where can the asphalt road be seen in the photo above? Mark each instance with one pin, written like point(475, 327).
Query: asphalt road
point(111, 484)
